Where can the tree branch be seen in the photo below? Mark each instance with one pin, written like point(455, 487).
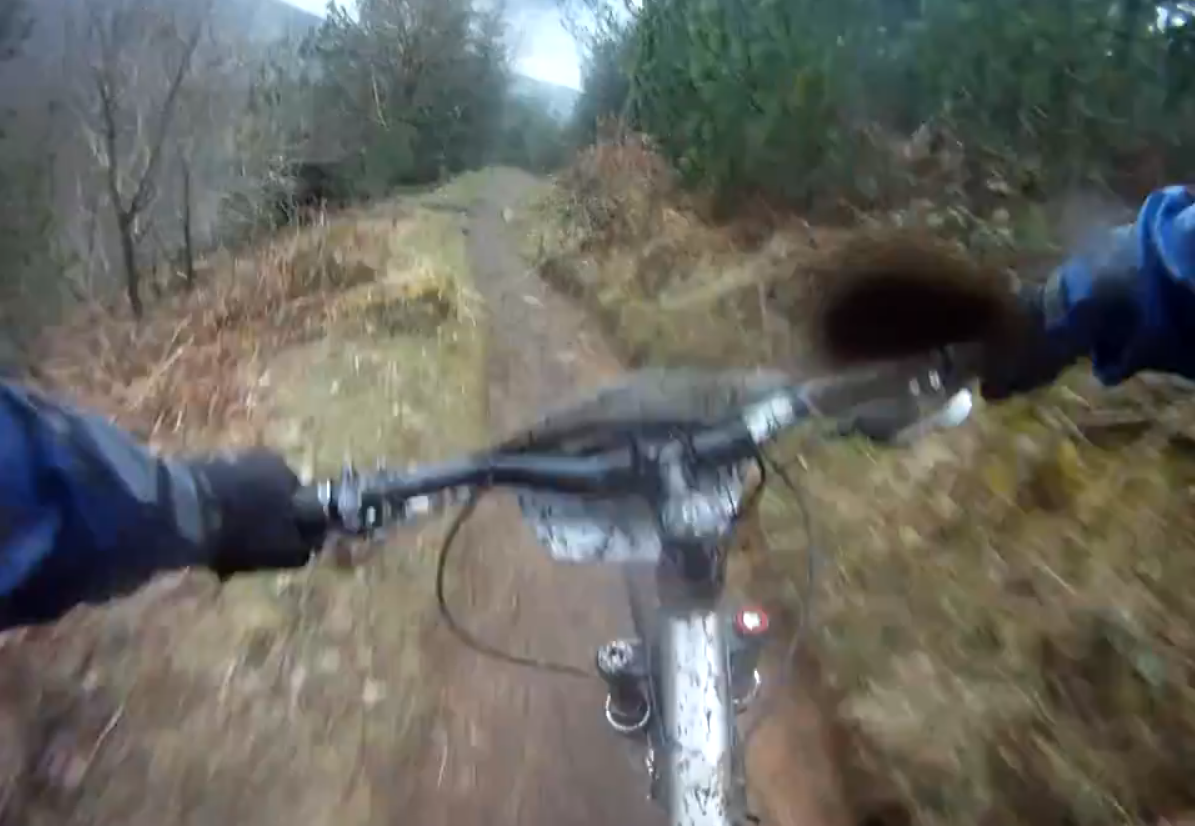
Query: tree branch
point(141, 196)
point(109, 134)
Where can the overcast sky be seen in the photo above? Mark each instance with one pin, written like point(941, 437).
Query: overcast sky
point(543, 49)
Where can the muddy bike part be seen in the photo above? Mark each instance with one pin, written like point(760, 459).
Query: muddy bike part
point(652, 475)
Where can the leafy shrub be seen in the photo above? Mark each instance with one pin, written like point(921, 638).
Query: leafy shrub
point(785, 99)
point(614, 189)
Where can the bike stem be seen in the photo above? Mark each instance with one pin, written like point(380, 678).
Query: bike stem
point(700, 766)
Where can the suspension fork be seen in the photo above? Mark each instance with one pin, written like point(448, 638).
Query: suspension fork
point(624, 665)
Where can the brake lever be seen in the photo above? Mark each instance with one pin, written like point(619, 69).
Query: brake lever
point(895, 403)
point(881, 422)
point(838, 395)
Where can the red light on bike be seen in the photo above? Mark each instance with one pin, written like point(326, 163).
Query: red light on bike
point(751, 622)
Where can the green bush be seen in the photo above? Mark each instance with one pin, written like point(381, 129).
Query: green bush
point(1074, 88)
point(749, 96)
point(792, 99)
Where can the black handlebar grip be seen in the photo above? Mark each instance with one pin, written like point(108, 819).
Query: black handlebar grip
point(310, 514)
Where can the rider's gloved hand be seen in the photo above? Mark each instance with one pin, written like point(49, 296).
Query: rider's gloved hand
point(1088, 307)
point(1030, 362)
point(255, 525)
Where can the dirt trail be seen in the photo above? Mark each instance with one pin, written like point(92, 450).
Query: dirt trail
point(511, 746)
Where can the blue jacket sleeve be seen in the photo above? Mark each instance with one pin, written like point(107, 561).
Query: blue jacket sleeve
point(1129, 301)
point(86, 513)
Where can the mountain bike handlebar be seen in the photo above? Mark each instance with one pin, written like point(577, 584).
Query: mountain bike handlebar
point(682, 458)
point(359, 504)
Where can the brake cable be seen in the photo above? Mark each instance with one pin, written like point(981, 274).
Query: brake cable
point(469, 639)
point(463, 635)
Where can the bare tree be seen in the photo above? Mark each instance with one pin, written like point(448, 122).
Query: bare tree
point(188, 221)
point(139, 55)
point(205, 152)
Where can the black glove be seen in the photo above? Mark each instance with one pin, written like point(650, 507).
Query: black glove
point(256, 528)
point(1059, 328)
point(1030, 361)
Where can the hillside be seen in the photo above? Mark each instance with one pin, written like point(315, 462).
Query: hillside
point(39, 61)
point(559, 100)
point(267, 21)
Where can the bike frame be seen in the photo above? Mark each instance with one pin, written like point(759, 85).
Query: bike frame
point(694, 732)
point(696, 726)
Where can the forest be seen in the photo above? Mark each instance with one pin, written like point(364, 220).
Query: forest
point(791, 99)
point(141, 135)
